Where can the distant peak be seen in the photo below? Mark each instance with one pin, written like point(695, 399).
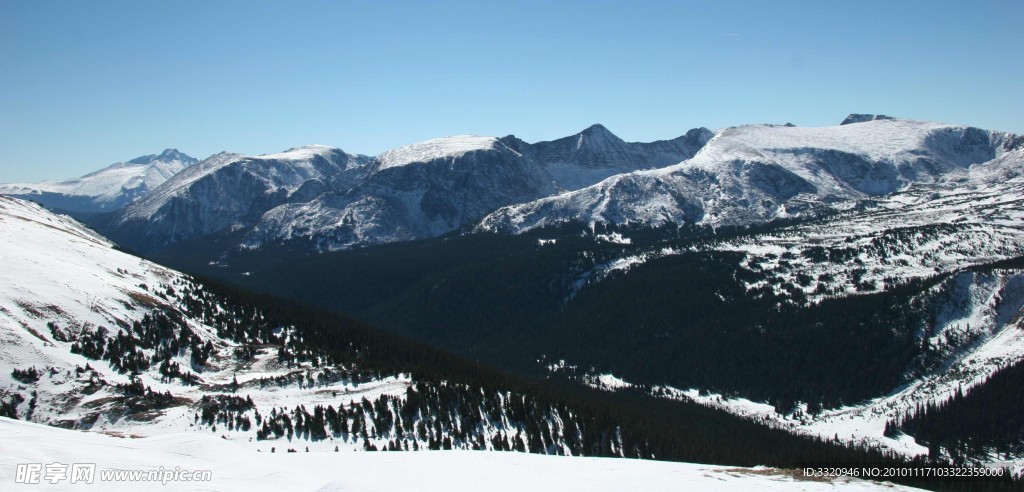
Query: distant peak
point(597, 135)
point(596, 128)
point(166, 155)
point(311, 147)
point(175, 154)
point(861, 118)
point(701, 133)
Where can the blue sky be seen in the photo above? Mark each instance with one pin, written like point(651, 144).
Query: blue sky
point(85, 84)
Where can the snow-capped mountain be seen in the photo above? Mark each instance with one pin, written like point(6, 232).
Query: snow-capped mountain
point(417, 191)
point(105, 190)
point(229, 191)
point(422, 190)
point(756, 173)
point(595, 153)
point(433, 187)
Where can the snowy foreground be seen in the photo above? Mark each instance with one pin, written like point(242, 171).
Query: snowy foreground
point(234, 467)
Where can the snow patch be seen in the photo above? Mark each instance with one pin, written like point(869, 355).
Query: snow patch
point(236, 468)
point(438, 148)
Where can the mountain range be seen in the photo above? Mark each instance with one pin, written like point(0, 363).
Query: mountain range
point(757, 173)
point(321, 198)
point(327, 199)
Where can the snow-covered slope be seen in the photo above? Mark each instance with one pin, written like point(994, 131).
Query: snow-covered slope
point(438, 148)
point(107, 189)
point(233, 467)
point(63, 289)
point(756, 173)
point(66, 293)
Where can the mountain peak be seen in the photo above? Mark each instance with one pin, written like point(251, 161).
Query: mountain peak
point(109, 188)
point(597, 129)
point(172, 153)
point(860, 118)
point(311, 147)
point(167, 155)
point(698, 134)
point(597, 135)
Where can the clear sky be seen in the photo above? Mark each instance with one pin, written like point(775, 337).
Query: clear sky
point(85, 84)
